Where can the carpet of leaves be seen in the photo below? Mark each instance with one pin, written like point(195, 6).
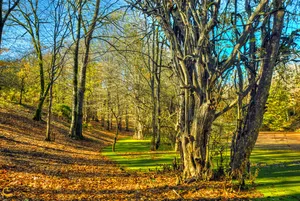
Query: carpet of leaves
point(66, 169)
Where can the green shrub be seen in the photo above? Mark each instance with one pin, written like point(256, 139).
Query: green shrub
point(62, 110)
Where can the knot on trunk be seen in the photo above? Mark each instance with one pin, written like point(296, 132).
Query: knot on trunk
point(191, 138)
point(212, 104)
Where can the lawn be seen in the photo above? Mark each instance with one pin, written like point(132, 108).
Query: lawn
point(279, 167)
point(279, 174)
point(135, 155)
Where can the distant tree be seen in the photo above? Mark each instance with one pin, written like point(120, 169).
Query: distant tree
point(23, 77)
point(282, 108)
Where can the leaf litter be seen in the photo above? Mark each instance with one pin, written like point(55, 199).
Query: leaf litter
point(67, 169)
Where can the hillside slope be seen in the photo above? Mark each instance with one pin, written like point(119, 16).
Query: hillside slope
point(66, 169)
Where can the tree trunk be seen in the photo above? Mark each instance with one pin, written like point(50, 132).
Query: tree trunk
point(81, 90)
point(107, 122)
point(157, 140)
point(110, 121)
point(102, 120)
point(43, 93)
point(120, 123)
point(247, 136)
point(139, 126)
point(48, 131)
point(153, 97)
point(72, 131)
point(80, 105)
point(195, 147)
point(22, 91)
point(116, 137)
point(38, 112)
point(127, 121)
point(180, 126)
point(159, 52)
point(1, 31)
point(139, 131)
point(154, 126)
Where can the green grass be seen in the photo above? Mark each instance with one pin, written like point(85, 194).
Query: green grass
point(279, 174)
point(136, 155)
point(279, 170)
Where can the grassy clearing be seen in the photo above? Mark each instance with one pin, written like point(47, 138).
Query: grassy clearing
point(279, 174)
point(135, 155)
point(279, 169)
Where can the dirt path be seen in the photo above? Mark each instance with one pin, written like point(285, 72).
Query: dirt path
point(32, 169)
point(279, 140)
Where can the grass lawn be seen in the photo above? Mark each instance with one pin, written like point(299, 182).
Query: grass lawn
point(279, 175)
point(279, 169)
point(136, 155)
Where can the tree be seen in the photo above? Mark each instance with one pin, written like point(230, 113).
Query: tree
point(28, 16)
point(282, 107)
point(22, 74)
point(77, 117)
point(246, 136)
point(78, 10)
point(195, 34)
point(6, 8)
point(88, 26)
point(155, 61)
point(60, 32)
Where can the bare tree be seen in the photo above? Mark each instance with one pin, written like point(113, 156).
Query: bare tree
point(195, 33)
point(60, 33)
point(6, 7)
point(249, 124)
point(78, 92)
point(28, 16)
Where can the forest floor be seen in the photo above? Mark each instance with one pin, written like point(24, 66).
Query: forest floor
point(66, 169)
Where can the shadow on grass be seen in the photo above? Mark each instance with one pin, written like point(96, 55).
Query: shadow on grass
point(136, 155)
point(280, 181)
point(291, 197)
point(279, 175)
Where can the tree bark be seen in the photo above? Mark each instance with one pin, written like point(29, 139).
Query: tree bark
point(22, 90)
point(43, 93)
point(116, 136)
point(127, 121)
point(38, 49)
point(139, 126)
point(195, 146)
point(247, 136)
point(48, 131)
point(81, 90)
point(74, 120)
point(153, 68)
point(38, 112)
point(1, 31)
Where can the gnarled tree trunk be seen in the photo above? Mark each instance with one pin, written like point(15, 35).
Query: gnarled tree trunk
point(246, 137)
point(196, 160)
